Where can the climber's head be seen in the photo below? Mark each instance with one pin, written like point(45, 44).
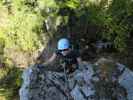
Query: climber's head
point(63, 45)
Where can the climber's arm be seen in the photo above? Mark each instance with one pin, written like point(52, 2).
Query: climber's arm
point(50, 60)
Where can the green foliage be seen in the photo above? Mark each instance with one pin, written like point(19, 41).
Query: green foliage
point(116, 28)
point(10, 82)
point(20, 28)
point(116, 25)
point(73, 4)
point(18, 32)
point(111, 17)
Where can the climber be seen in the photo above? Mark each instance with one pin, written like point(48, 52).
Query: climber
point(66, 54)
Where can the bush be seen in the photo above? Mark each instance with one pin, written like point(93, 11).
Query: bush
point(10, 82)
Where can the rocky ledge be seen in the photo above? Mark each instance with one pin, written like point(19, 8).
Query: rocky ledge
point(90, 82)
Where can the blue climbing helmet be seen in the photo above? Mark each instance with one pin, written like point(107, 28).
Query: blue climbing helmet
point(63, 43)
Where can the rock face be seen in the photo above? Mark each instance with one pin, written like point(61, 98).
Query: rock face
point(126, 80)
point(47, 85)
point(39, 84)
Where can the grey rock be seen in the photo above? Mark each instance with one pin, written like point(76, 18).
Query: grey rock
point(126, 80)
point(39, 84)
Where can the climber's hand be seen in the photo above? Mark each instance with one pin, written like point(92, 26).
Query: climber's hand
point(40, 66)
point(38, 62)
